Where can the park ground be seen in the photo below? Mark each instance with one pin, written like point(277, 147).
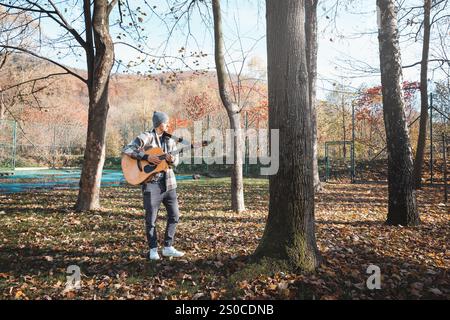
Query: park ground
point(40, 236)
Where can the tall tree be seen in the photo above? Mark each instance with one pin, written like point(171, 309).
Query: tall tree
point(418, 162)
point(99, 49)
point(311, 53)
point(289, 233)
point(402, 209)
point(96, 42)
point(233, 111)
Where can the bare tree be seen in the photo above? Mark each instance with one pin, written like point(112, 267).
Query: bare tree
point(233, 111)
point(426, 25)
point(96, 42)
point(100, 59)
point(311, 51)
point(416, 21)
point(402, 209)
point(418, 162)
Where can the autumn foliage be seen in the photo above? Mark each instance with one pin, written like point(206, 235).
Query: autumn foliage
point(41, 237)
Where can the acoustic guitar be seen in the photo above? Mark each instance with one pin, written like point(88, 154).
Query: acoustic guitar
point(138, 171)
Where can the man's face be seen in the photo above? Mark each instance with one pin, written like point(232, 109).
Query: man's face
point(164, 126)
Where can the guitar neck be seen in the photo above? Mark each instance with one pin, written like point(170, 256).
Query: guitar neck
point(175, 152)
point(181, 140)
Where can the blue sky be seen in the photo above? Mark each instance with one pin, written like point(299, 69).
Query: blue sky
point(351, 37)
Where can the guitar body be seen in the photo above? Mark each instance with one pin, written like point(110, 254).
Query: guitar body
point(137, 171)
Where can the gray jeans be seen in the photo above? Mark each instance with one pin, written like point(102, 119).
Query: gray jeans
point(154, 194)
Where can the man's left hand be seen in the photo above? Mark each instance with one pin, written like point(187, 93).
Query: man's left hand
point(169, 158)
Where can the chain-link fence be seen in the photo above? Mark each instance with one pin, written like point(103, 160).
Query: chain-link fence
point(339, 161)
point(7, 146)
point(62, 145)
point(49, 145)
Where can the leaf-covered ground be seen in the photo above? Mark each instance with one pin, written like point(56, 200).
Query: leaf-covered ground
point(40, 236)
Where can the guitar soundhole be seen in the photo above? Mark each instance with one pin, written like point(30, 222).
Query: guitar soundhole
point(148, 168)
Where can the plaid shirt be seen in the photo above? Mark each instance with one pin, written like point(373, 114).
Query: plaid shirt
point(147, 140)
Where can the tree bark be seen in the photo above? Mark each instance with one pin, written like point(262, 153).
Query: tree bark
point(418, 162)
point(289, 234)
point(344, 135)
point(233, 111)
point(99, 68)
point(402, 208)
point(237, 181)
point(311, 53)
point(2, 107)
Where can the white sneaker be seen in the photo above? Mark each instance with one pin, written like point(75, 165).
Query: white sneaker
point(154, 254)
point(171, 252)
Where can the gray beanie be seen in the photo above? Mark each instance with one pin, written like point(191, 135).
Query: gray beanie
point(158, 118)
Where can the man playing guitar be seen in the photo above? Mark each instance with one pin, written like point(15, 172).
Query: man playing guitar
point(161, 186)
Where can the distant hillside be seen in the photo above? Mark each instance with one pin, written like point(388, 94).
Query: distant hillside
point(66, 97)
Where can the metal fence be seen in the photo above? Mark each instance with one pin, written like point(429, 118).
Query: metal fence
point(40, 145)
point(8, 131)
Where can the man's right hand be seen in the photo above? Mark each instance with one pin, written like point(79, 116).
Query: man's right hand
point(152, 159)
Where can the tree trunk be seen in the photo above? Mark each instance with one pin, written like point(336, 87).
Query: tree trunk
point(237, 181)
point(2, 107)
point(233, 111)
point(311, 53)
point(418, 163)
point(402, 209)
point(344, 136)
point(289, 234)
point(98, 82)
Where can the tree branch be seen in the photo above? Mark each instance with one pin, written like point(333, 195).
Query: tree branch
point(25, 9)
point(430, 60)
point(63, 23)
point(4, 59)
point(33, 80)
point(111, 6)
point(46, 59)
